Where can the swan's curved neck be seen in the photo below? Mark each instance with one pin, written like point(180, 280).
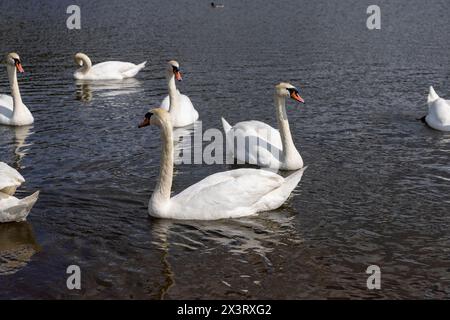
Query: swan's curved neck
point(87, 63)
point(289, 149)
point(173, 93)
point(15, 92)
point(161, 193)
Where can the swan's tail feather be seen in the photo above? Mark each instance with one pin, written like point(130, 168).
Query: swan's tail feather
point(28, 202)
point(432, 96)
point(142, 65)
point(20, 211)
point(132, 72)
point(283, 192)
point(292, 181)
point(226, 125)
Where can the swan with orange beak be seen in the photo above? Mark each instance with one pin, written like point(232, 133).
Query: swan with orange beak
point(257, 143)
point(13, 112)
point(180, 107)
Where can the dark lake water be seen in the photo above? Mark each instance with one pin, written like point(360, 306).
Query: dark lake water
point(377, 189)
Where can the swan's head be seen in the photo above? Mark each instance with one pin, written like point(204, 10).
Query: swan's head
point(285, 89)
point(173, 67)
point(13, 60)
point(80, 58)
point(157, 117)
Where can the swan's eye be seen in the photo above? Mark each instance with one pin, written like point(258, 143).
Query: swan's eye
point(175, 69)
point(292, 90)
point(148, 115)
point(16, 61)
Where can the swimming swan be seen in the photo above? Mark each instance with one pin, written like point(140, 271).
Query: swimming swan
point(109, 70)
point(179, 105)
point(13, 112)
point(228, 194)
point(438, 116)
point(266, 146)
point(11, 208)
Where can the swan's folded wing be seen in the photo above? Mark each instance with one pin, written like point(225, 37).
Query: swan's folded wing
point(132, 71)
point(16, 210)
point(165, 104)
point(6, 109)
point(10, 179)
point(259, 129)
point(111, 67)
point(6, 100)
point(229, 190)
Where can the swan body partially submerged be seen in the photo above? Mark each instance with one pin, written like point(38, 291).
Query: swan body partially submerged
point(228, 194)
point(13, 209)
point(179, 106)
point(109, 70)
point(257, 143)
point(13, 112)
point(438, 116)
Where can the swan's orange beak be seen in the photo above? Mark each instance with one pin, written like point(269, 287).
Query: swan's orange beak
point(144, 123)
point(178, 75)
point(19, 67)
point(296, 96)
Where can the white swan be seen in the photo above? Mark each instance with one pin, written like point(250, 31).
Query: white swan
point(12, 110)
point(438, 116)
point(258, 143)
point(229, 194)
point(109, 70)
point(11, 208)
point(179, 105)
point(217, 5)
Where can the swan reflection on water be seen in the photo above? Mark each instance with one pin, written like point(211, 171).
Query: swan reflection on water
point(17, 136)
point(257, 235)
point(85, 89)
point(21, 147)
point(17, 246)
point(183, 139)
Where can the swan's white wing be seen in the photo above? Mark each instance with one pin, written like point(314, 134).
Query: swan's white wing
point(110, 70)
point(6, 108)
point(186, 103)
point(255, 142)
point(16, 210)
point(185, 114)
point(10, 179)
point(131, 72)
point(258, 129)
point(6, 100)
point(113, 66)
point(439, 115)
point(165, 104)
point(226, 194)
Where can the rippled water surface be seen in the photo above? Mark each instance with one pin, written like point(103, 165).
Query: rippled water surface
point(377, 189)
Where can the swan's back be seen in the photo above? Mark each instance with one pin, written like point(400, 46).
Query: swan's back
point(16, 210)
point(258, 129)
point(10, 179)
point(110, 70)
point(6, 109)
point(438, 112)
point(11, 208)
point(185, 114)
point(231, 194)
point(6, 101)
